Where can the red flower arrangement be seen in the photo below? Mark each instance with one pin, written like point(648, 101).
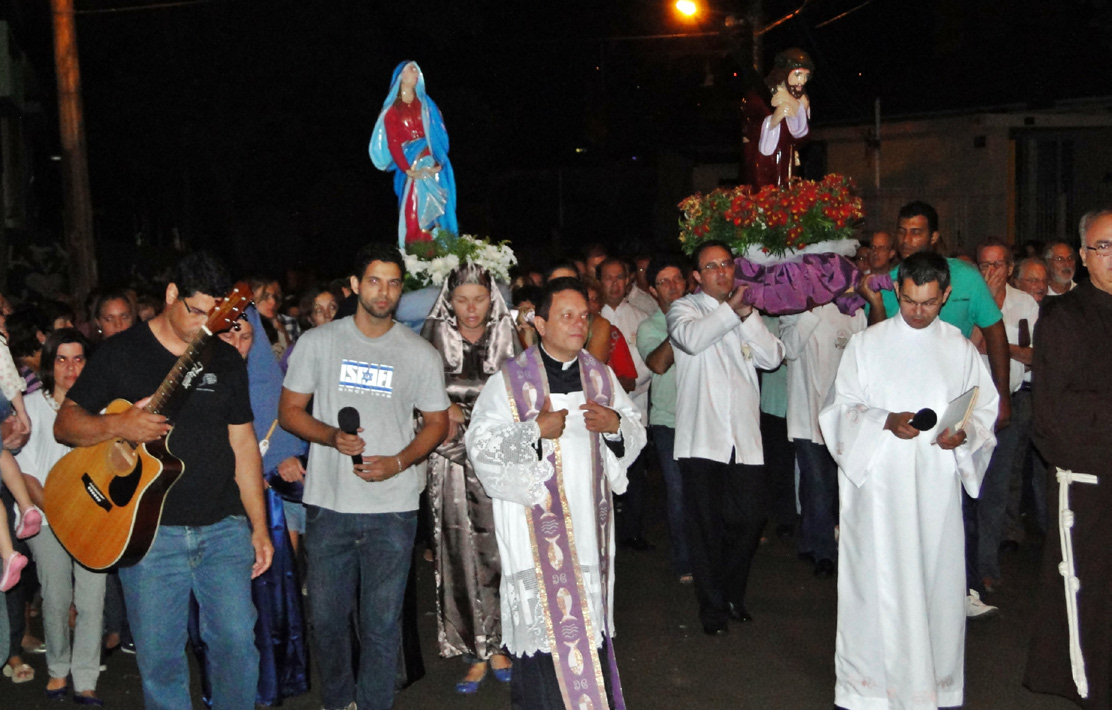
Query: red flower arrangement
point(775, 219)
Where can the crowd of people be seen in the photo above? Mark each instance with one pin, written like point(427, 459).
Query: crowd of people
point(510, 438)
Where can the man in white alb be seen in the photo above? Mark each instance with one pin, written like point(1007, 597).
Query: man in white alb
point(901, 578)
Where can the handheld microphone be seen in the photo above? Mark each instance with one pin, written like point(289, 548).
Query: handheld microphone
point(348, 421)
point(924, 419)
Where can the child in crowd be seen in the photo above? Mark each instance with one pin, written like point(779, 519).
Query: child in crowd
point(28, 518)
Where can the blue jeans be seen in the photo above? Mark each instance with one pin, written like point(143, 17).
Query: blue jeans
point(664, 438)
point(818, 499)
point(214, 563)
point(368, 554)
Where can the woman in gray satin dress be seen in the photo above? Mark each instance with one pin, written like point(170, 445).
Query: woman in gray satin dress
point(474, 332)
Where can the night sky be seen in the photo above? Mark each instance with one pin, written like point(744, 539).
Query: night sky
point(242, 125)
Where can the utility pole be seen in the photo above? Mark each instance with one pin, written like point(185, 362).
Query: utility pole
point(755, 17)
point(77, 200)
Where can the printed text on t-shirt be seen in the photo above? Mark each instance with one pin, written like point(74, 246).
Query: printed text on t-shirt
point(366, 377)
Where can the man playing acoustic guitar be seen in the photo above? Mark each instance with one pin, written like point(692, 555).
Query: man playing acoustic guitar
point(212, 539)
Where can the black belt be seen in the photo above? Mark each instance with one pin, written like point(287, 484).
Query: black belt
point(1025, 387)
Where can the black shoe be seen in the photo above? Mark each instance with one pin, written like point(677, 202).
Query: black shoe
point(824, 569)
point(638, 543)
point(739, 614)
point(715, 629)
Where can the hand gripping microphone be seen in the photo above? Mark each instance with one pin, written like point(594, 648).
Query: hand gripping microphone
point(924, 419)
point(348, 420)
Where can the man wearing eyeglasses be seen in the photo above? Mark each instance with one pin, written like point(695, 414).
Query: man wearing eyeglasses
point(1073, 430)
point(719, 341)
point(213, 536)
point(985, 523)
point(882, 253)
point(1061, 261)
point(969, 306)
point(667, 284)
point(901, 601)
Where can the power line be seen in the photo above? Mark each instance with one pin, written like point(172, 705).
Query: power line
point(138, 8)
point(838, 17)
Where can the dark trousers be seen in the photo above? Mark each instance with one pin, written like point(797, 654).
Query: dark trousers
point(818, 499)
point(779, 456)
point(972, 543)
point(534, 686)
point(725, 506)
point(630, 506)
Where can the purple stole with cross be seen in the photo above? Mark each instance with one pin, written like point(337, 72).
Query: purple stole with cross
point(568, 623)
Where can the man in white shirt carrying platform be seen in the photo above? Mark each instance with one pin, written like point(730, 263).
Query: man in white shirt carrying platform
point(719, 341)
point(814, 341)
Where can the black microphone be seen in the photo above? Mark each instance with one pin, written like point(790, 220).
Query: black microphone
point(348, 420)
point(924, 419)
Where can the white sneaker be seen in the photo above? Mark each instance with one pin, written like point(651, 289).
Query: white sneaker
point(977, 609)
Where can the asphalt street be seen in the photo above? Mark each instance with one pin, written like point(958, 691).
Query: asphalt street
point(784, 659)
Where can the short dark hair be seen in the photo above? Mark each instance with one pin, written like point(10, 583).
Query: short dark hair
point(924, 267)
point(555, 286)
point(561, 264)
point(707, 245)
point(607, 262)
point(52, 310)
point(920, 209)
point(24, 327)
point(995, 242)
point(377, 251)
point(659, 263)
point(120, 294)
point(55, 340)
point(200, 272)
point(528, 292)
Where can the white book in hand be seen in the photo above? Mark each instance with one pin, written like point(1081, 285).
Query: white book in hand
point(957, 413)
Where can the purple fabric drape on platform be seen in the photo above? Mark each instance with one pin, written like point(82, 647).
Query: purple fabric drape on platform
point(796, 286)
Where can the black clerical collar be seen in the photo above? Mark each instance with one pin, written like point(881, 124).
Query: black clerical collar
point(563, 377)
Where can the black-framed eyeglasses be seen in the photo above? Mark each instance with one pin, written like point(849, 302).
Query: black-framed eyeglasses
point(193, 311)
point(1102, 248)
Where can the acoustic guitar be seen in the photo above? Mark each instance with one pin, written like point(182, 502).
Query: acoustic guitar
point(104, 502)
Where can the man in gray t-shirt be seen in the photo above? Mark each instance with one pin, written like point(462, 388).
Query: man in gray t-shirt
point(361, 518)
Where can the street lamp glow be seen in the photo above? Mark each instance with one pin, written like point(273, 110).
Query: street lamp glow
point(687, 8)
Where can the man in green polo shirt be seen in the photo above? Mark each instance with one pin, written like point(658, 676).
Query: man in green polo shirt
point(970, 303)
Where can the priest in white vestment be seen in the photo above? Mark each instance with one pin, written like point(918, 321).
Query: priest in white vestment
point(511, 454)
point(901, 581)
